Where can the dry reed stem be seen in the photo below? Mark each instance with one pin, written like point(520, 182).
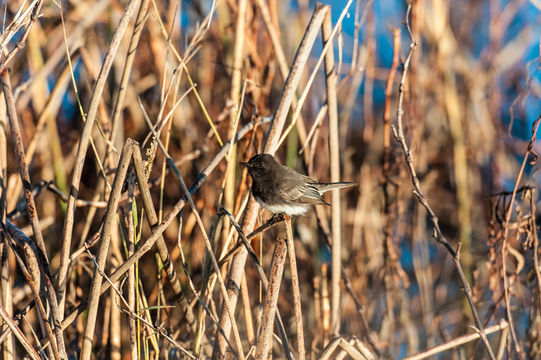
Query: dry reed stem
point(245, 240)
point(32, 211)
point(282, 62)
point(83, 146)
point(347, 348)
point(202, 29)
point(237, 267)
point(334, 152)
point(315, 70)
point(438, 235)
point(131, 239)
point(163, 252)
point(236, 77)
point(246, 307)
point(31, 255)
point(140, 21)
point(264, 339)
point(315, 126)
point(295, 288)
point(105, 236)
point(461, 340)
point(18, 334)
point(157, 232)
point(7, 345)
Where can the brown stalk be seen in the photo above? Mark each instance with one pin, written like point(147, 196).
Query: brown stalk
point(334, 152)
point(18, 334)
point(128, 65)
point(236, 77)
point(105, 237)
point(163, 252)
point(438, 235)
point(245, 240)
point(264, 339)
point(8, 345)
point(347, 348)
point(131, 273)
point(143, 319)
point(26, 243)
point(204, 306)
point(227, 303)
point(295, 288)
point(282, 62)
point(31, 208)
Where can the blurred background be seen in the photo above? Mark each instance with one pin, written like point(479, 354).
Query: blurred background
point(471, 101)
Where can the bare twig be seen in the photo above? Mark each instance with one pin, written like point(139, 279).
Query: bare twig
point(438, 235)
point(22, 41)
point(506, 246)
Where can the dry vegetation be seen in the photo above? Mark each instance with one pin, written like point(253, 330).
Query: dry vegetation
point(115, 245)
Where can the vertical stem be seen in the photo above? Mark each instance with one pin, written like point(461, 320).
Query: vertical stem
point(334, 151)
point(264, 340)
point(248, 320)
point(8, 348)
point(229, 195)
point(101, 258)
point(296, 288)
point(163, 252)
point(131, 274)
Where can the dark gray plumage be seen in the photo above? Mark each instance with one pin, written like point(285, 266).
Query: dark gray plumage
point(280, 189)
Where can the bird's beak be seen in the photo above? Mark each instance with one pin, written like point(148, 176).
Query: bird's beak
point(245, 164)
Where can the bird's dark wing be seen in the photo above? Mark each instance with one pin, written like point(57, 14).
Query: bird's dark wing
point(302, 192)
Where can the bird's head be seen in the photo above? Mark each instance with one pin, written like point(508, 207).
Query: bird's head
point(260, 165)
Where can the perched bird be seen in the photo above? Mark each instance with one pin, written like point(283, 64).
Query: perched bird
point(280, 189)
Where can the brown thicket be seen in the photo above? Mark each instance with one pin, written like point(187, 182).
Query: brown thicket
point(128, 229)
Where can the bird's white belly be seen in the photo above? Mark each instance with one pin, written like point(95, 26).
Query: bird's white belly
point(288, 209)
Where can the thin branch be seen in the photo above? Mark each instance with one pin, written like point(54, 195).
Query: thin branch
point(438, 235)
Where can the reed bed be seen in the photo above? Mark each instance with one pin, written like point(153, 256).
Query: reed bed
point(128, 228)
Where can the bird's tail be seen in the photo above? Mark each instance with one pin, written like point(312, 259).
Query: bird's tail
point(332, 186)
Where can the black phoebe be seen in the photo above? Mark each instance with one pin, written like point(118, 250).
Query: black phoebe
point(280, 189)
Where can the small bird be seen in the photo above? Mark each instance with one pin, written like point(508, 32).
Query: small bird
point(280, 189)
